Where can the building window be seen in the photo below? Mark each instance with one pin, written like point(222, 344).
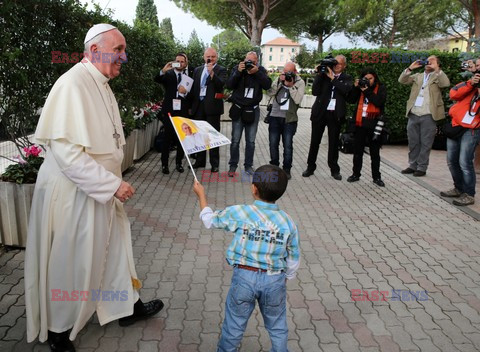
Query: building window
point(293, 50)
point(454, 50)
point(281, 58)
point(271, 50)
point(270, 57)
point(456, 40)
point(281, 50)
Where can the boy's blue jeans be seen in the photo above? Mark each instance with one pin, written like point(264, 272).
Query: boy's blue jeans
point(271, 293)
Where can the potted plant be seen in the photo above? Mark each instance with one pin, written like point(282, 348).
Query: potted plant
point(16, 192)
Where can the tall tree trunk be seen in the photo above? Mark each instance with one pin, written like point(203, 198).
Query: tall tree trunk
point(256, 35)
point(320, 43)
point(476, 18)
point(392, 33)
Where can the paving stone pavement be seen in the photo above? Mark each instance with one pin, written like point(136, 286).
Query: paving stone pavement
point(353, 237)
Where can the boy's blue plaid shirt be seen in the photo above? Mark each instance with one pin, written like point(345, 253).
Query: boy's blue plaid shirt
point(264, 236)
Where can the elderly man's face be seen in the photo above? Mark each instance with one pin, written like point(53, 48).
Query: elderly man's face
point(289, 67)
point(112, 53)
point(210, 54)
point(186, 129)
point(338, 68)
point(252, 57)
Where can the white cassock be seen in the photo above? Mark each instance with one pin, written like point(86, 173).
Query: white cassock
point(79, 235)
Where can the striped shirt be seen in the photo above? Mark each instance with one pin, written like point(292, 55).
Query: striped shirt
point(264, 237)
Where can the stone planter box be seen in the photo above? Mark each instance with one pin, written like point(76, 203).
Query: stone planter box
point(129, 150)
point(15, 203)
point(145, 139)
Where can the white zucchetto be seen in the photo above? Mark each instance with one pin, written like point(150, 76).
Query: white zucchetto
point(97, 29)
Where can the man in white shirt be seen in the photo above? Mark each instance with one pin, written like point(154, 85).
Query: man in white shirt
point(79, 257)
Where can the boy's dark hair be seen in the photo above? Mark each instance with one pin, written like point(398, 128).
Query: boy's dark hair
point(271, 182)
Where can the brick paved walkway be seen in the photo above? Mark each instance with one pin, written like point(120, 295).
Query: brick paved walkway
point(353, 236)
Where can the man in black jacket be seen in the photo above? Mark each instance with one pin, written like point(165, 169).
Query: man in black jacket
point(247, 81)
point(175, 102)
point(331, 89)
point(207, 100)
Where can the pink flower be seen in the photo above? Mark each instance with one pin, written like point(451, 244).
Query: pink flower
point(19, 159)
point(32, 150)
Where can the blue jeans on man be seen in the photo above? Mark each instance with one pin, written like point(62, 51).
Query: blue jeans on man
point(247, 288)
point(460, 155)
point(250, 133)
point(277, 128)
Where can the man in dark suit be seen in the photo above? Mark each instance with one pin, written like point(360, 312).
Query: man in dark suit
point(331, 89)
point(207, 100)
point(175, 102)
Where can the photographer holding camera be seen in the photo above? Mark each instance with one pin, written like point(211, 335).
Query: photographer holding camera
point(465, 114)
point(424, 108)
point(331, 87)
point(247, 81)
point(175, 102)
point(370, 95)
point(287, 94)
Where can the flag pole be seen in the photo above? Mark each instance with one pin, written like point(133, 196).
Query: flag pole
point(185, 152)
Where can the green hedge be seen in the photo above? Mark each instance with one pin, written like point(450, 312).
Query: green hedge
point(36, 28)
point(386, 64)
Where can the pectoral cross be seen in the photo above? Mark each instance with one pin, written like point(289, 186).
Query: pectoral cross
point(117, 138)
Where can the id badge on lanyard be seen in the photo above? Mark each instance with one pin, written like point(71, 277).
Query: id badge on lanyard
point(333, 102)
point(420, 99)
point(177, 104)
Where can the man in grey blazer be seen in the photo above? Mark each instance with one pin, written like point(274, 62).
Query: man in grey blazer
point(424, 107)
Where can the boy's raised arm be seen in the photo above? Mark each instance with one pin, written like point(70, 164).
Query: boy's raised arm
point(200, 192)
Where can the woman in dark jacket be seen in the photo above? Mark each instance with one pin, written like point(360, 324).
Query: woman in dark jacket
point(370, 95)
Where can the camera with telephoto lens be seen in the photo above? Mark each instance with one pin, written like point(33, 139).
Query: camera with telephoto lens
point(364, 82)
point(289, 76)
point(378, 130)
point(249, 64)
point(329, 61)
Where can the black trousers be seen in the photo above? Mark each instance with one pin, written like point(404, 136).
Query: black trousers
point(318, 127)
point(170, 139)
point(363, 136)
point(214, 153)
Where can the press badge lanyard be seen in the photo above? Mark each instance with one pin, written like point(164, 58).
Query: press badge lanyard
point(364, 107)
point(419, 100)
point(332, 102)
point(425, 82)
point(177, 103)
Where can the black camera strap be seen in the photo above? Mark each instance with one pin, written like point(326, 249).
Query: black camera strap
point(276, 95)
point(473, 101)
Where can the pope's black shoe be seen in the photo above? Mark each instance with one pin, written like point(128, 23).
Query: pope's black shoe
point(59, 342)
point(142, 311)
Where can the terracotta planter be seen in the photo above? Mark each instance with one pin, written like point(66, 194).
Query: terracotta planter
point(15, 203)
point(129, 151)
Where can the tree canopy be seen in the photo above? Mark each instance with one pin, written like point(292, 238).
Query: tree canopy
point(146, 12)
point(249, 16)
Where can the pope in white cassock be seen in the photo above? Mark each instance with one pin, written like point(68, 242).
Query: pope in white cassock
point(79, 254)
